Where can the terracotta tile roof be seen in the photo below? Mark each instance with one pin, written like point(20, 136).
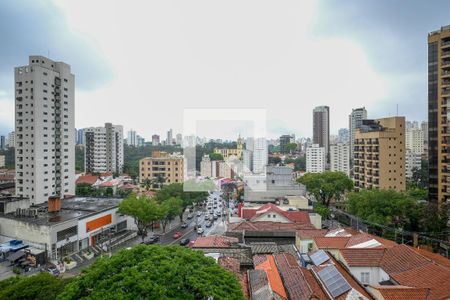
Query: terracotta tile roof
point(339, 232)
point(310, 233)
point(87, 179)
point(295, 283)
point(233, 265)
point(214, 241)
point(259, 285)
point(316, 290)
point(331, 242)
point(268, 226)
point(355, 240)
point(437, 258)
point(431, 276)
point(363, 257)
point(293, 216)
point(395, 292)
point(270, 267)
point(400, 259)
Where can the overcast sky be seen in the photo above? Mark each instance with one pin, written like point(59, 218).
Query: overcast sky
point(141, 63)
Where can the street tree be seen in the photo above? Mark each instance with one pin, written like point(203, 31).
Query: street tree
point(147, 184)
point(154, 272)
point(143, 210)
point(327, 186)
point(42, 286)
point(170, 208)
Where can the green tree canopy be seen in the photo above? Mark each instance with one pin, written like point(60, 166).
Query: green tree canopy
point(326, 186)
point(171, 208)
point(154, 272)
point(145, 211)
point(42, 286)
point(291, 147)
point(215, 156)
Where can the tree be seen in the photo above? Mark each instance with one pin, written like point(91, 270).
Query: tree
point(435, 218)
point(145, 211)
point(215, 156)
point(170, 208)
point(42, 286)
point(322, 210)
point(84, 189)
point(274, 160)
point(154, 272)
point(327, 186)
point(146, 184)
point(176, 190)
point(291, 147)
point(109, 191)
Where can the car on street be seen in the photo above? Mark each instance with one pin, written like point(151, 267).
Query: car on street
point(208, 224)
point(206, 217)
point(215, 217)
point(200, 230)
point(199, 214)
point(184, 225)
point(151, 240)
point(177, 235)
point(53, 270)
point(190, 216)
point(184, 242)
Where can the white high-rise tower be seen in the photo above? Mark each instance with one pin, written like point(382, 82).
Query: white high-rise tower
point(45, 129)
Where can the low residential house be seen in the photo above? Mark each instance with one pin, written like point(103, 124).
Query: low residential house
point(273, 213)
point(87, 179)
point(388, 292)
point(399, 265)
point(267, 264)
point(233, 265)
point(305, 237)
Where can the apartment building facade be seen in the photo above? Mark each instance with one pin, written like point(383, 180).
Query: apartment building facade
point(354, 123)
point(103, 151)
point(379, 154)
point(438, 117)
point(44, 129)
point(163, 166)
point(340, 158)
point(321, 127)
point(315, 159)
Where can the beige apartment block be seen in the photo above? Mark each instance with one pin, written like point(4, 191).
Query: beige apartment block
point(168, 167)
point(379, 154)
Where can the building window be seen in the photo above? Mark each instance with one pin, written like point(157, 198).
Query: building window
point(365, 277)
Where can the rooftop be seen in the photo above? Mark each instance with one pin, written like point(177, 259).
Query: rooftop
point(214, 241)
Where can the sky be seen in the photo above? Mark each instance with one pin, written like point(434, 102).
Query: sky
point(141, 64)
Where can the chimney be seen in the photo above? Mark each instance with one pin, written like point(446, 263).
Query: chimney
point(54, 204)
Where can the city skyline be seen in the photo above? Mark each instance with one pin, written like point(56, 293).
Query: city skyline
point(156, 75)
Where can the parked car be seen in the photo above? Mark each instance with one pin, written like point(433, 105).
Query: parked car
point(177, 235)
point(215, 217)
point(184, 225)
point(206, 217)
point(53, 270)
point(208, 224)
point(151, 240)
point(184, 242)
point(200, 230)
point(199, 213)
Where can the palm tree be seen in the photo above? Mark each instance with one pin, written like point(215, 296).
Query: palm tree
point(146, 184)
point(159, 180)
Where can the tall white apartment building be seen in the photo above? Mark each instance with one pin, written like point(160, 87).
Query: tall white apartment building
point(44, 129)
point(205, 166)
point(315, 159)
point(169, 139)
point(103, 151)
point(340, 158)
point(354, 123)
point(2, 161)
point(11, 139)
point(132, 138)
point(260, 155)
point(412, 161)
point(247, 161)
point(414, 138)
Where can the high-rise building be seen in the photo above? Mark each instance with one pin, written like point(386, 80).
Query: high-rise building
point(155, 140)
point(284, 141)
point(132, 138)
point(103, 150)
point(379, 154)
point(11, 140)
point(339, 158)
point(45, 123)
point(260, 155)
point(321, 127)
point(412, 161)
point(162, 168)
point(354, 123)
point(140, 141)
point(2, 161)
point(205, 166)
point(169, 139)
point(424, 127)
point(438, 121)
point(343, 136)
point(2, 142)
point(247, 161)
point(179, 139)
point(414, 138)
point(315, 159)
point(80, 138)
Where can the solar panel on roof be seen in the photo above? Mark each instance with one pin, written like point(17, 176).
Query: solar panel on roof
point(334, 281)
point(319, 257)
